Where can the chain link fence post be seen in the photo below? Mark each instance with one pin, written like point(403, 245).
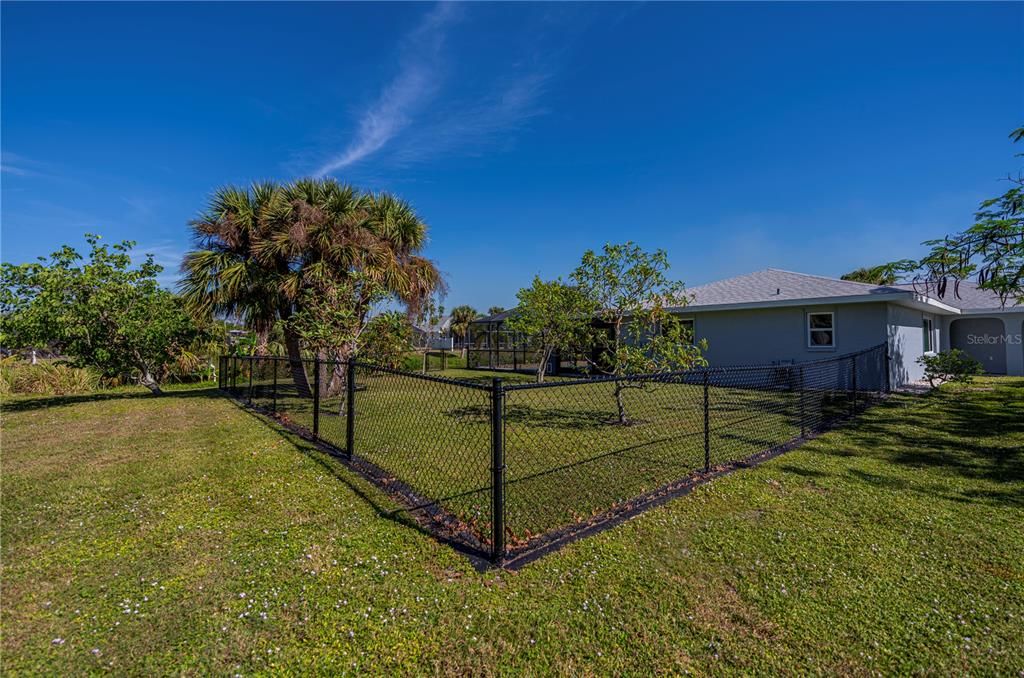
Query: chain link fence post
point(707, 425)
point(803, 416)
point(252, 368)
point(273, 389)
point(316, 398)
point(853, 362)
point(853, 386)
point(497, 469)
point(350, 406)
point(885, 366)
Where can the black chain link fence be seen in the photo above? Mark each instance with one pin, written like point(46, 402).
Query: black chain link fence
point(501, 468)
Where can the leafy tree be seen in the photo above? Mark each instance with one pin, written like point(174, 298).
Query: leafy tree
point(327, 320)
point(992, 250)
point(631, 292)
point(266, 253)
point(556, 316)
point(386, 339)
point(495, 310)
point(462, 316)
point(103, 313)
point(885, 274)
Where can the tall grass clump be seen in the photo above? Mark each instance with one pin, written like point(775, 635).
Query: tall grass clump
point(46, 378)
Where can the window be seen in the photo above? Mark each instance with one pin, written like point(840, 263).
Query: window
point(821, 332)
point(928, 332)
point(687, 325)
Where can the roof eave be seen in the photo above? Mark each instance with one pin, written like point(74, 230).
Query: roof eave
point(788, 303)
point(992, 311)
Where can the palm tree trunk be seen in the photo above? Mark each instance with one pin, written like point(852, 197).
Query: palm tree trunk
point(291, 342)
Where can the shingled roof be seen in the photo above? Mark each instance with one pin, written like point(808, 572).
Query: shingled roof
point(775, 285)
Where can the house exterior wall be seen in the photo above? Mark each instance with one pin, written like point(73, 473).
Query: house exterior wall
point(905, 334)
point(779, 335)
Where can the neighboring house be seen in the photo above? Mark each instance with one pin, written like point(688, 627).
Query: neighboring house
point(780, 317)
point(437, 335)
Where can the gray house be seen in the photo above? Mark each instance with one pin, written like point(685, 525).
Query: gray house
point(780, 317)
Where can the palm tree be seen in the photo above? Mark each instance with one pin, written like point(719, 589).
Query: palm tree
point(462, 316)
point(258, 250)
point(223, 274)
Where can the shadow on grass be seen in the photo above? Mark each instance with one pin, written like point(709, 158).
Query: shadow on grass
point(31, 403)
point(977, 434)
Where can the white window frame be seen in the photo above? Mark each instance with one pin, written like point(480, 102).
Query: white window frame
point(832, 329)
point(928, 334)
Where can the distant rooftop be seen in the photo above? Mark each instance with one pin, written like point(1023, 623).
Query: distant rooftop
point(496, 317)
point(439, 327)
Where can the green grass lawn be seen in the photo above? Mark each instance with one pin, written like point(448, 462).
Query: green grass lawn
point(181, 534)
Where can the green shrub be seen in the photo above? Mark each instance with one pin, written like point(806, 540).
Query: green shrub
point(46, 378)
point(949, 366)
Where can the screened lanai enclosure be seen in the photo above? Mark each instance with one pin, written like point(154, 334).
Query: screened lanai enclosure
point(493, 346)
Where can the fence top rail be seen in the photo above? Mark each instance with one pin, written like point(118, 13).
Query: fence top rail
point(697, 371)
point(373, 366)
point(425, 377)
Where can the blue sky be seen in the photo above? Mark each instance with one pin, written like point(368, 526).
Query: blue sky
point(810, 137)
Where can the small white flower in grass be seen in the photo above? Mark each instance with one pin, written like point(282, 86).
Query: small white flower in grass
point(58, 641)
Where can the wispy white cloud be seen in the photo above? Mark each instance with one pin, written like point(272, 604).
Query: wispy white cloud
point(474, 127)
point(425, 112)
point(18, 165)
point(418, 81)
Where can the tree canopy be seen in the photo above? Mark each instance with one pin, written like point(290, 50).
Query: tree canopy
point(631, 292)
point(884, 274)
point(102, 312)
point(555, 316)
point(991, 251)
point(273, 251)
